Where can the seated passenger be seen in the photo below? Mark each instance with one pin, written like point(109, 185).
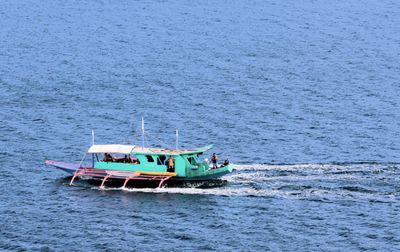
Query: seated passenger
point(105, 157)
point(127, 159)
point(108, 158)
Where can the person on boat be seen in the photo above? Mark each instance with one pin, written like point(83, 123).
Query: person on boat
point(127, 159)
point(214, 160)
point(108, 158)
point(105, 157)
point(171, 164)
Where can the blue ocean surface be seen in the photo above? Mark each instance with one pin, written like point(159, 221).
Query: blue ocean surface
point(303, 96)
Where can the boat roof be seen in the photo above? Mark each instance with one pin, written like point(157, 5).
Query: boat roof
point(111, 148)
point(128, 149)
point(164, 151)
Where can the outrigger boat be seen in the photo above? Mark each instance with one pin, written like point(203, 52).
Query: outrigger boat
point(149, 166)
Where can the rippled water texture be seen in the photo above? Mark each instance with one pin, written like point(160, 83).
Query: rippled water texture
point(302, 95)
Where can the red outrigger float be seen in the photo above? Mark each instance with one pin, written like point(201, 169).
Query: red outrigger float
point(105, 175)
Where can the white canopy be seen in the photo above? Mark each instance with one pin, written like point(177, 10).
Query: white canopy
point(111, 148)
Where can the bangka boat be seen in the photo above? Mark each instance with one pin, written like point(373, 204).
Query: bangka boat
point(151, 166)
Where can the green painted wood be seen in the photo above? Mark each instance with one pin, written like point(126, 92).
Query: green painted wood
point(183, 167)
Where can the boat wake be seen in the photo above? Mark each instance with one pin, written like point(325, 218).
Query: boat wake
point(321, 182)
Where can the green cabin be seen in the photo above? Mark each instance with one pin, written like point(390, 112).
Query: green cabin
point(187, 164)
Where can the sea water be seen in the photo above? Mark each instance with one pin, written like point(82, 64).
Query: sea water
point(303, 96)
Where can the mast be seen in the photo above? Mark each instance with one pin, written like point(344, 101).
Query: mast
point(177, 138)
point(142, 132)
point(92, 144)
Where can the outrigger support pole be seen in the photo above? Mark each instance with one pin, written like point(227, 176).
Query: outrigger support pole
point(163, 180)
point(73, 178)
point(126, 182)
point(104, 180)
point(129, 178)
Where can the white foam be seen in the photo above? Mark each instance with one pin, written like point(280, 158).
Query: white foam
point(199, 191)
point(311, 194)
point(311, 167)
point(307, 181)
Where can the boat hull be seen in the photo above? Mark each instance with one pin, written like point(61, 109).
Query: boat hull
point(210, 174)
point(66, 167)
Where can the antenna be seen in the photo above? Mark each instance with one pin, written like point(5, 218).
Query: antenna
point(142, 132)
point(177, 138)
point(92, 136)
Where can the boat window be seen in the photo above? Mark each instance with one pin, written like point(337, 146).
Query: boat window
point(161, 160)
point(149, 159)
point(191, 160)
